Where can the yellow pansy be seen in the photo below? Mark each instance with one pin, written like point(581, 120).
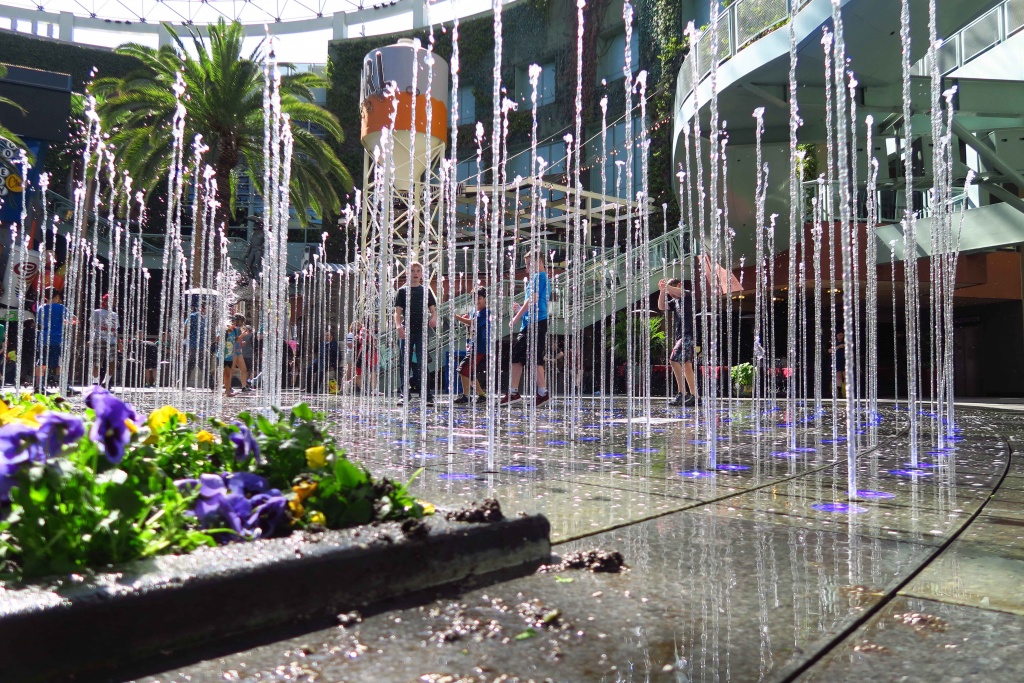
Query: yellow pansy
point(21, 413)
point(428, 508)
point(302, 490)
point(316, 457)
point(203, 436)
point(161, 417)
point(317, 518)
point(131, 426)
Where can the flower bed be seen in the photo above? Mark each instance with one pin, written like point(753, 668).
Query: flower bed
point(139, 488)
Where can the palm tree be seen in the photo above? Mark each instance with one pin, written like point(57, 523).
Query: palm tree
point(224, 103)
point(5, 133)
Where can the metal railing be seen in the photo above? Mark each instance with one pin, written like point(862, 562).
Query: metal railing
point(740, 24)
point(603, 278)
point(979, 36)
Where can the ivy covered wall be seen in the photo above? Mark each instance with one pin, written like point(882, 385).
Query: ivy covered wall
point(544, 31)
point(66, 58)
point(534, 31)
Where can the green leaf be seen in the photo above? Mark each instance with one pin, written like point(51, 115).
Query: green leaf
point(527, 634)
point(265, 425)
point(348, 475)
point(564, 579)
point(303, 412)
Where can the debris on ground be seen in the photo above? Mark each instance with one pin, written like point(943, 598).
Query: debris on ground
point(487, 511)
point(415, 528)
point(610, 561)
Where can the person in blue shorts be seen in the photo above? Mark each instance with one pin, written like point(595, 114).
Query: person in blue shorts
point(474, 366)
point(49, 337)
point(533, 314)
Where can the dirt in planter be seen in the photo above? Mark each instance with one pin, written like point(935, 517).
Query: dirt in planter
point(485, 512)
point(610, 561)
point(415, 528)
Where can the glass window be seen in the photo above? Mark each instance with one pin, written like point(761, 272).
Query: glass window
point(545, 86)
point(553, 154)
point(467, 106)
point(612, 59)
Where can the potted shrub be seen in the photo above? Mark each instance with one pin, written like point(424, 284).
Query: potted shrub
point(743, 378)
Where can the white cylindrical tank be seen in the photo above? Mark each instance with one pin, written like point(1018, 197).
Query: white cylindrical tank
point(395, 63)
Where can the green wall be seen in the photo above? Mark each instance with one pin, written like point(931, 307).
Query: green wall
point(67, 58)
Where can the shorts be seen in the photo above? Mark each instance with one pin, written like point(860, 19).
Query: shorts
point(228, 363)
point(520, 347)
point(682, 352)
point(104, 351)
point(473, 365)
point(49, 355)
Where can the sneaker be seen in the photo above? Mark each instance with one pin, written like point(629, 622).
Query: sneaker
point(430, 399)
point(541, 400)
point(691, 400)
point(509, 398)
point(677, 401)
point(480, 400)
point(461, 400)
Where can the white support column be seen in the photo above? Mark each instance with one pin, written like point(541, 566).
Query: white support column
point(67, 26)
point(163, 36)
point(419, 13)
point(340, 25)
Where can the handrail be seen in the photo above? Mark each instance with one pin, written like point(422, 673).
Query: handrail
point(739, 24)
point(744, 21)
point(990, 29)
point(602, 278)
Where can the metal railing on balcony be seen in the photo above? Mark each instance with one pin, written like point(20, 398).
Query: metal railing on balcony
point(982, 34)
point(740, 24)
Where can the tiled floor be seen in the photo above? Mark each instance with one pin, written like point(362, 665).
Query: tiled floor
point(734, 574)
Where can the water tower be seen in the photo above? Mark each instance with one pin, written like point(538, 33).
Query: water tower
point(400, 176)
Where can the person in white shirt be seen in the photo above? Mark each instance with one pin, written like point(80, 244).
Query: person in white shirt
point(104, 324)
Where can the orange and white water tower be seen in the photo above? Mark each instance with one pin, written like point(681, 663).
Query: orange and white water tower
point(402, 64)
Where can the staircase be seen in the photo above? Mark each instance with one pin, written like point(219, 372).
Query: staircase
point(604, 291)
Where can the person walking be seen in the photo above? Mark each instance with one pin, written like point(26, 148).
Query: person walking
point(49, 338)
point(408, 314)
point(474, 365)
point(104, 325)
point(672, 297)
point(243, 358)
point(231, 334)
point(533, 311)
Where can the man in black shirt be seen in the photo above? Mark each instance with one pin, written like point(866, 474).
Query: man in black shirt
point(409, 307)
point(672, 297)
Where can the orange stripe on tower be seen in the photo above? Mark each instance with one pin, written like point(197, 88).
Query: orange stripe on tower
point(376, 115)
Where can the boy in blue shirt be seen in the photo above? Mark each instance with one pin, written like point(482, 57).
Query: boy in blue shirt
point(474, 365)
point(533, 312)
point(49, 337)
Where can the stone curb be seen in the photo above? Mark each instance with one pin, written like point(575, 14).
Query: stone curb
point(79, 628)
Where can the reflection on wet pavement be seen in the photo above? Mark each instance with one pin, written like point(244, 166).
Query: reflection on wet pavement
point(737, 569)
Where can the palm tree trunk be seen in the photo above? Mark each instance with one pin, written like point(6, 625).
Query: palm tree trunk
point(222, 217)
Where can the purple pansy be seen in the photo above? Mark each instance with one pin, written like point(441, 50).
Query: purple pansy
point(269, 512)
point(245, 442)
point(246, 482)
point(57, 430)
point(9, 466)
point(17, 438)
point(223, 503)
point(110, 430)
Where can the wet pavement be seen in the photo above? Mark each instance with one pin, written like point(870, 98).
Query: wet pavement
point(738, 570)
